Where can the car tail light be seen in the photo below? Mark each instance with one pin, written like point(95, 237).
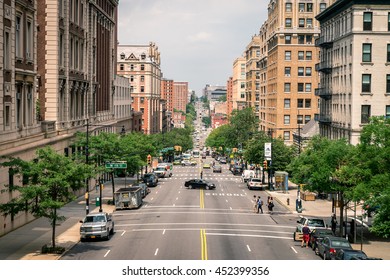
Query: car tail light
point(332, 251)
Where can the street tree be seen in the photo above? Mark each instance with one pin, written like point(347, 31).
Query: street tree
point(47, 183)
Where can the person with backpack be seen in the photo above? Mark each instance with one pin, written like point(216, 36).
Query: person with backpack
point(270, 204)
point(259, 205)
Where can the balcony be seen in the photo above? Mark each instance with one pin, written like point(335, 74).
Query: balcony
point(324, 66)
point(323, 42)
point(322, 118)
point(325, 93)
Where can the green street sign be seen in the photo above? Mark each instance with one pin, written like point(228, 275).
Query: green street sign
point(118, 165)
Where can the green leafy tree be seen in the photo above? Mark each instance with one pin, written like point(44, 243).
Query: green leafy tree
point(49, 182)
point(206, 121)
point(243, 124)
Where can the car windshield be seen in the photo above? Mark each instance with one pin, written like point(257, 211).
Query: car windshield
point(160, 169)
point(256, 180)
point(92, 219)
point(316, 223)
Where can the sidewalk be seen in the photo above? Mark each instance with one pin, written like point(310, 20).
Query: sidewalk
point(25, 243)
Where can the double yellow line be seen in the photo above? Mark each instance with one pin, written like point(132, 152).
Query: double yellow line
point(203, 240)
point(203, 244)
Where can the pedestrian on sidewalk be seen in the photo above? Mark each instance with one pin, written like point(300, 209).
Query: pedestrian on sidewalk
point(306, 234)
point(270, 204)
point(259, 205)
point(333, 223)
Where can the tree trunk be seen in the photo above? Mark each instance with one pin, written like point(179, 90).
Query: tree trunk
point(53, 235)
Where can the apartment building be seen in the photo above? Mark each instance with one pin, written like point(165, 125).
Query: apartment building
point(180, 96)
point(290, 101)
point(229, 96)
point(122, 103)
point(141, 64)
point(239, 84)
point(57, 73)
point(262, 69)
point(167, 93)
point(252, 54)
point(354, 67)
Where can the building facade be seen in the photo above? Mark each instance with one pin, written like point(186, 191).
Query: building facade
point(354, 67)
point(51, 89)
point(290, 101)
point(167, 93)
point(229, 96)
point(252, 55)
point(239, 84)
point(180, 96)
point(141, 64)
point(122, 103)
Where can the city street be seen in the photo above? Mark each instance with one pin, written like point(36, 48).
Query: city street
point(176, 223)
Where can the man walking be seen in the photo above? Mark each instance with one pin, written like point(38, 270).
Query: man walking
point(259, 205)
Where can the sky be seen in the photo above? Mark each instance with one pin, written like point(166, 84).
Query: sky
point(198, 40)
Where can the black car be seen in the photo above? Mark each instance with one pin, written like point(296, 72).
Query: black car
point(237, 170)
point(330, 245)
point(316, 235)
point(150, 179)
point(199, 183)
point(350, 254)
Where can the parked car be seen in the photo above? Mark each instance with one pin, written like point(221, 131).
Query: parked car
point(150, 179)
point(330, 245)
point(199, 183)
point(222, 160)
point(206, 166)
point(97, 225)
point(237, 169)
point(350, 254)
point(312, 222)
point(217, 168)
point(177, 162)
point(254, 183)
point(316, 235)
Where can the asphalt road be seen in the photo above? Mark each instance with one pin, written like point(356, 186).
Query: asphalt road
point(176, 223)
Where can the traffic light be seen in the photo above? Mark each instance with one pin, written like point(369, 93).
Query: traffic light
point(149, 159)
point(265, 164)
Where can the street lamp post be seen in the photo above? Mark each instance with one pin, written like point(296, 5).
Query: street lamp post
point(87, 162)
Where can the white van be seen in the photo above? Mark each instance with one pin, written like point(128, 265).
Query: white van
point(163, 170)
point(247, 174)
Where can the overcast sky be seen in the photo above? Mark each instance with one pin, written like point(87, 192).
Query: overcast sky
point(198, 39)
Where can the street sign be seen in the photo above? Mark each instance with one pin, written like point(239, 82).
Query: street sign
point(268, 151)
point(118, 165)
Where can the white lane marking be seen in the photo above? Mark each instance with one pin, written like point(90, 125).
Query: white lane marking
point(231, 208)
point(163, 231)
point(155, 253)
point(177, 198)
point(249, 249)
point(174, 205)
point(227, 200)
point(156, 192)
point(151, 198)
point(179, 191)
point(123, 233)
point(294, 250)
point(107, 253)
point(215, 229)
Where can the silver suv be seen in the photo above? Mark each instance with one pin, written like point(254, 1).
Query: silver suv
point(97, 225)
point(312, 222)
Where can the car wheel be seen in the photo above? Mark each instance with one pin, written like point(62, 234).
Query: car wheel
point(324, 256)
point(316, 251)
point(112, 230)
point(294, 236)
point(108, 235)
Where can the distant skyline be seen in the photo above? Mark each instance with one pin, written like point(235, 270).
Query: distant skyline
point(198, 39)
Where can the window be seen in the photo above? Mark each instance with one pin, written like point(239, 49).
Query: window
point(301, 55)
point(29, 40)
point(286, 119)
point(142, 100)
point(387, 112)
point(300, 103)
point(301, 39)
point(142, 89)
point(388, 52)
point(142, 67)
point(7, 50)
point(387, 83)
point(388, 22)
point(308, 87)
point(122, 56)
point(309, 22)
point(288, 22)
point(301, 71)
point(18, 34)
point(300, 87)
point(366, 113)
point(286, 135)
point(322, 7)
point(288, 7)
point(287, 39)
point(132, 67)
point(366, 83)
point(300, 119)
point(287, 103)
point(7, 116)
point(142, 110)
point(308, 71)
point(121, 67)
point(301, 22)
point(309, 7)
point(287, 87)
point(301, 7)
point(287, 71)
point(307, 103)
point(287, 55)
point(242, 85)
point(367, 21)
point(142, 78)
point(309, 55)
point(307, 118)
point(309, 39)
point(366, 53)
point(242, 95)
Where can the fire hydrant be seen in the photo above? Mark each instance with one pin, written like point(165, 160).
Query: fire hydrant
point(288, 201)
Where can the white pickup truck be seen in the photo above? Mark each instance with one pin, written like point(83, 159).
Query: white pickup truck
point(163, 170)
point(97, 225)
